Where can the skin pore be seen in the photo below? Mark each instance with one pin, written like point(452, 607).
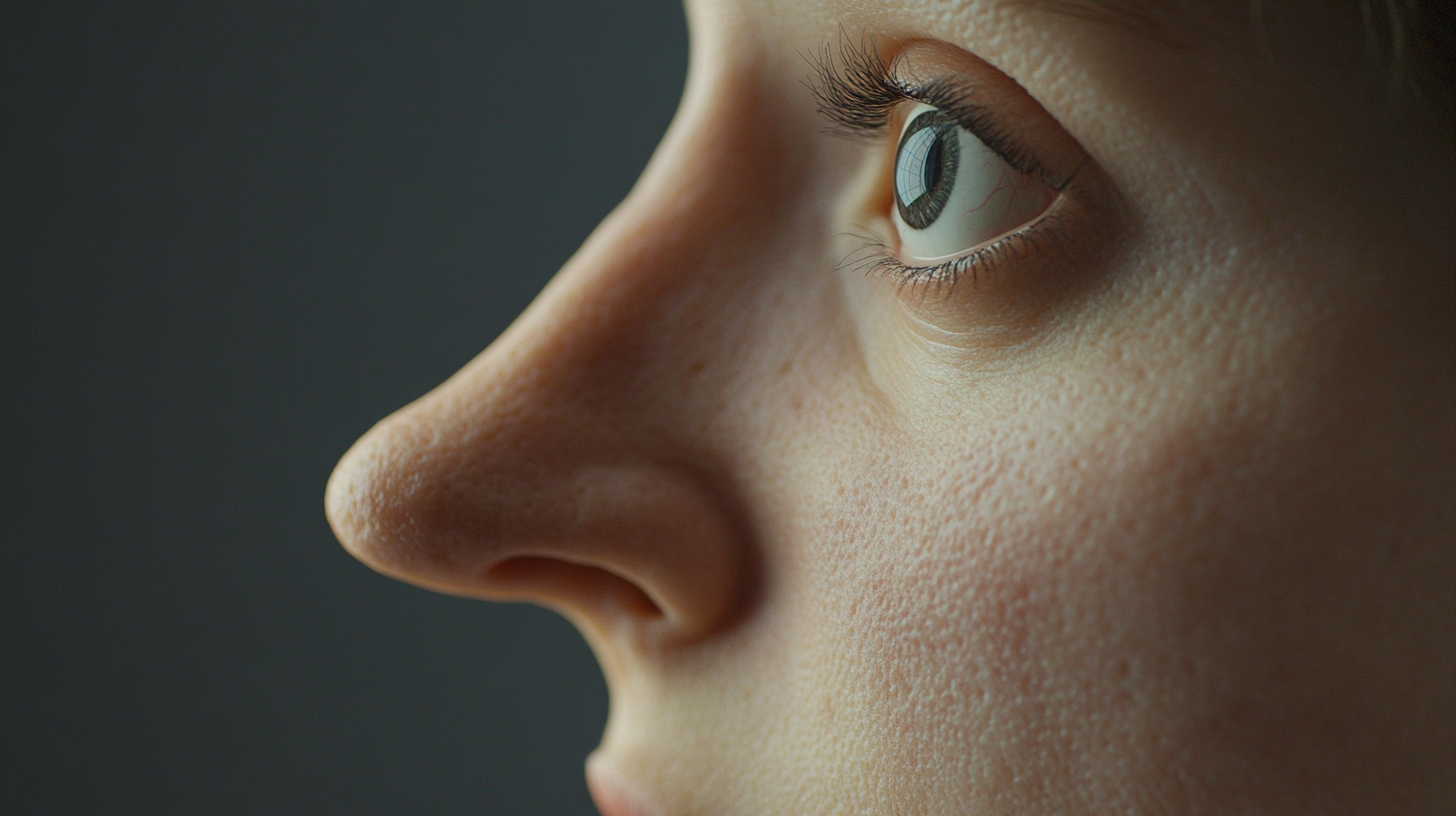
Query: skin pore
point(1147, 509)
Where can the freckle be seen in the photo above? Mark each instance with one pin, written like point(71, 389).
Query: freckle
point(786, 368)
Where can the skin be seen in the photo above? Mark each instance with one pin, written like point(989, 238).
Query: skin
point(1158, 520)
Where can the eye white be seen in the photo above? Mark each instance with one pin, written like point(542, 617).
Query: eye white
point(988, 197)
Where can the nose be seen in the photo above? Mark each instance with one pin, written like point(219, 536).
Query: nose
point(574, 463)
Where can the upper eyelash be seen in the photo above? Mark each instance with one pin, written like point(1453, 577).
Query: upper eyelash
point(859, 97)
point(858, 94)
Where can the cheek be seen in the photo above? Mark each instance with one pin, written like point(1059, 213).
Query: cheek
point(1041, 606)
point(963, 614)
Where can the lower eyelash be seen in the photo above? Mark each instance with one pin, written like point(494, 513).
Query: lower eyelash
point(875, 257)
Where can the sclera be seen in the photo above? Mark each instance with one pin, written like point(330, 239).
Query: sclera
point(988, 199)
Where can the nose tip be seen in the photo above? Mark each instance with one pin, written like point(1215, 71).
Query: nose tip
point(610, 540)
point(361, 497)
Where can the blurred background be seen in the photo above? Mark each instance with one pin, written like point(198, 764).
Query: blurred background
point(234, 237)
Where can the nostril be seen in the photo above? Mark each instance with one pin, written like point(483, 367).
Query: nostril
point(614, 548)
point(581, 586)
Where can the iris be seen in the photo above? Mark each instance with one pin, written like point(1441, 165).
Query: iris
point(925, 168)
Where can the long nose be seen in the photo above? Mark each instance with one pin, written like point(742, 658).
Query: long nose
point(575, 462)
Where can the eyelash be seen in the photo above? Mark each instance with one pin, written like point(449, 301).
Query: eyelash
point(858, 93)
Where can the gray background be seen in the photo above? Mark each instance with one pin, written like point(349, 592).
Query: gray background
point(234, 236)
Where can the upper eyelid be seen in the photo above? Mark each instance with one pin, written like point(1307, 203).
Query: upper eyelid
point(859, 99)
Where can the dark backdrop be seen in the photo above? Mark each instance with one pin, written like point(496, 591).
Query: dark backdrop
point(234, 236)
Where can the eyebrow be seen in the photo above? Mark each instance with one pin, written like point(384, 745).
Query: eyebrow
point(1149, 19)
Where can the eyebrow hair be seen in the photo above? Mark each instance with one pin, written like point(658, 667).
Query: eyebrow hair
point(1416, 41)
point(1412, 41)
point(1148, 19)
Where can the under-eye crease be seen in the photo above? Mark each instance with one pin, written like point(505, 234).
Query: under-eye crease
point(860, 93)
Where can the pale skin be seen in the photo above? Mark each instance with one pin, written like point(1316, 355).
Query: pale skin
point(1159, 520)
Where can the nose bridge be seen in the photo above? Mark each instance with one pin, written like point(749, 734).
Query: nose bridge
point(671, 265)
point(558, 466)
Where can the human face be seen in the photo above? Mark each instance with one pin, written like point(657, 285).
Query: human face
point(1149, 508)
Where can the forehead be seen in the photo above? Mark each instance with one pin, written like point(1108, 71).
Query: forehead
point(984, 21)
point(1049, 46)
point(1022, 36)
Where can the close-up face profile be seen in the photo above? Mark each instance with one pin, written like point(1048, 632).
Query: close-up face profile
point(1004, 407)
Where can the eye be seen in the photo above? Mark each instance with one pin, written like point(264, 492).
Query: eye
point(953, 193)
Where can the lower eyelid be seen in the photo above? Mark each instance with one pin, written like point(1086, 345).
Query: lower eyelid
point(1004, 292)
point(947, 268)
point(879, 259)
point(946, 264)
